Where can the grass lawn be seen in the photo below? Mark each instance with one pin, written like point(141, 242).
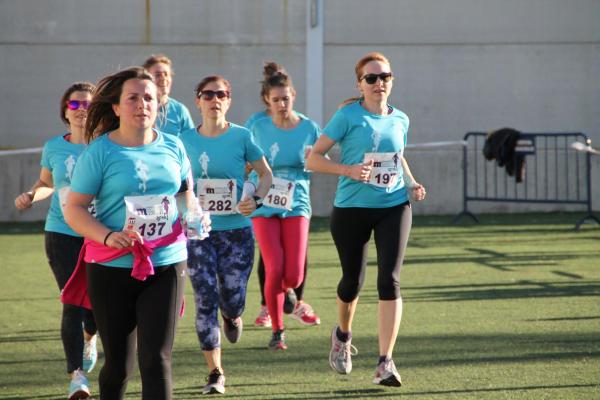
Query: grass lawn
point(505, 309)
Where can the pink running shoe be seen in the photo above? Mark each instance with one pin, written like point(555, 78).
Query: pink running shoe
point(263, 319)
point(304, 313)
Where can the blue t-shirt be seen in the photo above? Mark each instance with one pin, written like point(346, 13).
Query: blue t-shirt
point(222, 157)
point(358, 132)
point(263, 114)
point(110, 172)
point(284, 150)
point(59, 157)
point(175, 120)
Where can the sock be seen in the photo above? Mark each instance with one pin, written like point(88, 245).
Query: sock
point(343, 336)
point(382, 359)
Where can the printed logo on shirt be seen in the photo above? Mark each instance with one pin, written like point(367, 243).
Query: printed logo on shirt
point(376, 136)
point(142, 170)
point(274, 149)
point(70, 165)
point(204, 160)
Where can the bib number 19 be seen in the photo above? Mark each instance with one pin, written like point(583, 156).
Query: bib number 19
point(384, 179)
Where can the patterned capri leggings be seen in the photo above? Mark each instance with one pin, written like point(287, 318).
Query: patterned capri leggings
point(219, 268)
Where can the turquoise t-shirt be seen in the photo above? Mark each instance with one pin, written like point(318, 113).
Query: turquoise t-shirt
point(263, 114)
point(222, 157)
point(110, 172)
point(284, 150)
point(358, 132)
point(59, 157)
point(175, 120)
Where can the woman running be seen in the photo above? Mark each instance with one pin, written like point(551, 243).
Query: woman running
point(220, 265)
point(372, 196)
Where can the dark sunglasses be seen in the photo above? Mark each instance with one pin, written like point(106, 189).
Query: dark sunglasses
point(75, 104)
point(372, 78)
point(208, 95)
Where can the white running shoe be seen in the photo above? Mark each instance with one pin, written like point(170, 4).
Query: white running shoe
point(90, 354)
point(340, 356)
point(387, 375)
point(79, 388)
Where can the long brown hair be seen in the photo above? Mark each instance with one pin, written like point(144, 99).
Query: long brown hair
point(274, 76)
point(101, 118)
point(87, 87)
point(358, 70)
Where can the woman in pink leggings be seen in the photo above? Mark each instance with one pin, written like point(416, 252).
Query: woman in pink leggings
point(281, 224)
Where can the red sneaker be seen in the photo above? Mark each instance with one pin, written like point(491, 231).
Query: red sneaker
point(304, 313)
point(263, 319)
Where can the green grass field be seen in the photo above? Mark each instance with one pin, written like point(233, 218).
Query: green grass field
point(505, 309)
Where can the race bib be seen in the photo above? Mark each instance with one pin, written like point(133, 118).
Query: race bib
point(219, 196)
point(63, 194)
point(150, 215)
point(281, 194)
point(386, 168)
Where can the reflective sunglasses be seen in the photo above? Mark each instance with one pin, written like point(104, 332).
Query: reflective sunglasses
point(208, 95)
point(372, 78)
point(75, 104)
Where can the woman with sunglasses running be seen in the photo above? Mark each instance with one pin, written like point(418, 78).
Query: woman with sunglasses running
point(294, 303)
point(173, 117)
point(281, 225)
point(220, 265)
point(62, 243)
point(372, 196)
point(133, 258)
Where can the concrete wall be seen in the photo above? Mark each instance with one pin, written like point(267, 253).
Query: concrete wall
point(471, 65)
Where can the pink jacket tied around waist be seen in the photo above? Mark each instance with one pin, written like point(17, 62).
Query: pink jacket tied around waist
point(75, 291)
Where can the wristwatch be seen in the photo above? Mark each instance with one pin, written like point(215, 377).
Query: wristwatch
point(258, 200)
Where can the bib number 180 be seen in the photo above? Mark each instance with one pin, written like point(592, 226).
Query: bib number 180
point(277, 200)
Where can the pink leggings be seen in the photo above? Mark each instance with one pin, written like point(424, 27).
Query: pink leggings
point(282, 243)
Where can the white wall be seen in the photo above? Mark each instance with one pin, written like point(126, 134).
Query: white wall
point(460, 66)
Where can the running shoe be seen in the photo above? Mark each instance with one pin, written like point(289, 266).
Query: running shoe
point(79, 388)
point(340, 356)
point(263, 319)
point(233, 328)
point(305, 314)
point(289, 302)
point(90, 354)
point(387, 375)
point(277, 341)
point(215, 382)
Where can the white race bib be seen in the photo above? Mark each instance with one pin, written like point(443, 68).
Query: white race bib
point(219, 196)
point(281, 194)
point(150, 215)
point(386, 168)
point(63, 194)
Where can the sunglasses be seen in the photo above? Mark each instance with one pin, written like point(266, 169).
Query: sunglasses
point(208, 95)
point(75, 104)
point(372, 78)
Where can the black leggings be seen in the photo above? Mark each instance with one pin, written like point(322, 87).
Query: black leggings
point(261, 280)
point(62, 252)
point(126, 309)
point(351, 230)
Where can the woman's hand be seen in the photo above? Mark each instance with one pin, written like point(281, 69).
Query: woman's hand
point(360, 172)
point(24, 201)
point(247, 206)
point(418, 192)
point(123, 239)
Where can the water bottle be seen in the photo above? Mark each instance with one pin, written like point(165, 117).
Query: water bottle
point(193, 218)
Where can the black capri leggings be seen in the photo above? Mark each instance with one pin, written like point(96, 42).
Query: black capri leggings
point(62, 252)
point(351, 230)
point(126, 309)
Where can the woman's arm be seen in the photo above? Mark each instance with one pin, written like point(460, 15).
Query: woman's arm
point(82, 222)
point(42, 189)
point(265, 178)
point(418, 190)
point(318, 162)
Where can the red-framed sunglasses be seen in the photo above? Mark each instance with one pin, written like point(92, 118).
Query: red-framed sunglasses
point(75, 104)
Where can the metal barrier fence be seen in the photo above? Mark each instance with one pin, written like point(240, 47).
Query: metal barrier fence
point(553, 173)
